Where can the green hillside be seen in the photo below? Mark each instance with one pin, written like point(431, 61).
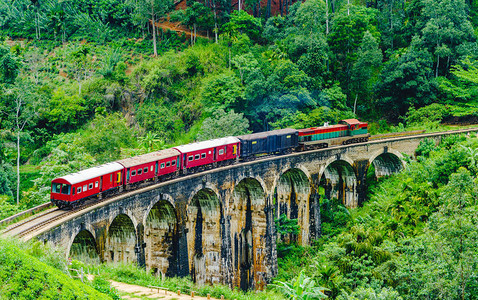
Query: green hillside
point(27, 276)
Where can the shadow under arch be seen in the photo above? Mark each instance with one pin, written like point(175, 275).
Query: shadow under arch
point(386, 164)
point(248, 229)
point(121, 240)
point(205, 237)
point(84, 248)
point(162, 239)
point(292, 195)
point(340, 181)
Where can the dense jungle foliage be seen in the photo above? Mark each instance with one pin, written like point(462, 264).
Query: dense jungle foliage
point(87, 82)
point(415, 238)
point(81, 83)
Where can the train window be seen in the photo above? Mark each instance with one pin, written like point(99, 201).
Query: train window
point(221, 151)
point(133, 173)
point(96, 184)
point(168, 164)
point(145, 170)
point(203, 155)
point(152, 168)
point(90, 186)
point(85, 188)
point(65, 189)
point(140, 171)
point(190, 158)
point(56, 187)
point(196, 156)
point(162, 165)
point(78, 190)
point(173, 163)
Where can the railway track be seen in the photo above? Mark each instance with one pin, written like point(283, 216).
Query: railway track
point(41, 220)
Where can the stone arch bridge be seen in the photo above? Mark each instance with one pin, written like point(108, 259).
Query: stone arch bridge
point(218, 226)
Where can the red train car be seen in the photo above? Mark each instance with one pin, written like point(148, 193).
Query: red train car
point(199, 155)
point(150, 166)
point(72, 189)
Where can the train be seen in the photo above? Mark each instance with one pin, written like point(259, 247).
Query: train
point(74, 189)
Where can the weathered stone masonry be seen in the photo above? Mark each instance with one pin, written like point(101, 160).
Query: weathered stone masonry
point(218, 226)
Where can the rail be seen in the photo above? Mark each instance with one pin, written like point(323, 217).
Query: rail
point(26, 213)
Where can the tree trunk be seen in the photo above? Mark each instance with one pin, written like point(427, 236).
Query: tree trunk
point(18, 162)
point(438, 65)
point(153, 23)
point(326, 17)
point(215, 22)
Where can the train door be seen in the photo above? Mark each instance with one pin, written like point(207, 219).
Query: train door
point(214, 157)
point(101, 183)
point(118, 178)
point(156, 169)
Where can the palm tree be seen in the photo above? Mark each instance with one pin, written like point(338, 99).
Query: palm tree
point(303, 288)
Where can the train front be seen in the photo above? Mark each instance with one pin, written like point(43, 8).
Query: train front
point(61, 192)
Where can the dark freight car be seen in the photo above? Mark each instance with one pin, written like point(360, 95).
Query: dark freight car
point(276, 141)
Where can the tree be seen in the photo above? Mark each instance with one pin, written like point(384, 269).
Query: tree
point(366, 69)
point(81, 66)
point(242, 23)
point(9, 65)
point(152, 10)
point(446, 30)
point(197, 15)
point(303, 288)
point(24, 112)
point(407, 80)
point(345, 38)
point(223, 91)
point(223, 124)
point(34, 61)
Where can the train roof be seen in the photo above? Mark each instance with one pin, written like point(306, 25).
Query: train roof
point(148, 157)
point(91, 173)
point(351, 121)
point(331, 127)
point(207, 144)
point(261, 135)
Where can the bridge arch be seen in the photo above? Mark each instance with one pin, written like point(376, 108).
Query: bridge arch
point(84, 247)
point(121, 240)
point(259, 180)
point(248, 232)
point(204, 236)
point(161, 236)
point(160, 197)
point(339, 180)
point(292, 192)
point(386, 162)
